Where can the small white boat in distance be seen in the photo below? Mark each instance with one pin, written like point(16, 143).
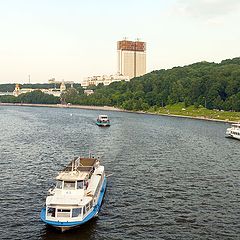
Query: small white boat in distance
point(77, 196)
point(234, 131)
point(103, 121)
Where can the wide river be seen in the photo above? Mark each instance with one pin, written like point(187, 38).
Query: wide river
point(173, 178)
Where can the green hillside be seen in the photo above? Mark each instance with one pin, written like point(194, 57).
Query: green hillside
point(212, 85)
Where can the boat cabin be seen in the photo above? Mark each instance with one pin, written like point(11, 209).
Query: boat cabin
point(69, 198)
point(236, 125)
point(103, 118)
point(76, 175)
point(67, 211)
point(234, 131)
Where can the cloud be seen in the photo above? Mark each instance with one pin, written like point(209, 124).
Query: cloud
point(208, 9)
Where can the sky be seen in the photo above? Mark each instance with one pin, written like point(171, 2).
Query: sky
point(72, 39)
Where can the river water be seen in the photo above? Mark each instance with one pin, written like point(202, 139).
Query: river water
point(173, 178)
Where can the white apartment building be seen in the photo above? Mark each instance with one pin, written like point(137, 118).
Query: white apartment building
point(52, 91)
point(105, 80)
point(131, 58)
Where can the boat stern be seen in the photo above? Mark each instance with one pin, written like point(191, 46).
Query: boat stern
point(61, 226)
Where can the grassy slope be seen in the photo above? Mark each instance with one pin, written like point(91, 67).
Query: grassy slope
point(201, 112)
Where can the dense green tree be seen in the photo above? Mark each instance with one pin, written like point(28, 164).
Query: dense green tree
point(71, 95)
point(8, 99)
point(37, 97)
point(9, 87)
point(208, 84)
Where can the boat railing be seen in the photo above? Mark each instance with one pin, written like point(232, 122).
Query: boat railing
point(81, 164)
point(79, 168)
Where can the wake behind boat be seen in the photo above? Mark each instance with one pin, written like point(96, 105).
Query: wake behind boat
point(103, 121)
point(77, 196)
point(234, 131)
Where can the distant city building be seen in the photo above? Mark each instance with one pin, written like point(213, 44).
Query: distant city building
point(52, 91)
point(105, 80)
point(88, 91)
point(131, 58)
point(53, 81)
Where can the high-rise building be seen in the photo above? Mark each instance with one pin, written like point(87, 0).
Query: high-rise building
point(131, 58)
point(105, 80)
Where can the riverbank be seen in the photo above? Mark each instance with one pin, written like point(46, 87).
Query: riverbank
point(176, 110)
point(104, 108)
point(200, 112)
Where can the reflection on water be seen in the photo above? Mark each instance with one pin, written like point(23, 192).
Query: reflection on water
point(172, 178)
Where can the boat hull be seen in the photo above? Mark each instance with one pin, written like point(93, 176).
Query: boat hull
point(232, 136)
point(103, 124)
point(64, 226)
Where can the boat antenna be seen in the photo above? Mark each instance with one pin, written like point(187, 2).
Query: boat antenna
point(73, 164)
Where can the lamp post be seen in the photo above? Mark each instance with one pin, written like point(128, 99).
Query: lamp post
point(205, 102)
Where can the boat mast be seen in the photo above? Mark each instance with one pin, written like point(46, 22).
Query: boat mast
point(73, 162)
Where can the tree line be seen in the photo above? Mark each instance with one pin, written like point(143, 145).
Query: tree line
point(35, 97)
point(9, 87)
point(213, 85)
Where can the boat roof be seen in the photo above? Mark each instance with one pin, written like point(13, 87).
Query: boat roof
point(62, 200)
point(102, 116)
point(236, 124)
point(72, 175)
point(78, 169)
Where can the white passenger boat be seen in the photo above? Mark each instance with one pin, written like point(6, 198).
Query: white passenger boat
point(77, 196)
point(234, 131)
point(103, 121)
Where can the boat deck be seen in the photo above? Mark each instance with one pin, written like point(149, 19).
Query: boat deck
point(78, 169)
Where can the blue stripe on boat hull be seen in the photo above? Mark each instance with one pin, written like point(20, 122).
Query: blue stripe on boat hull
point(102, 124)
point(68, 225)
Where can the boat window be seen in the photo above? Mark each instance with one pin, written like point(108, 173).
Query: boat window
point(59, 184)
point(63, 212)
point(84, 210)
point(51, 212)
point(76, 212)
point(69, 185)
point(79, 184)
point(86, 184)
point(87, 207)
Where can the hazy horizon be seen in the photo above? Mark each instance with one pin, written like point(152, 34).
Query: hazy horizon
point(73, 39)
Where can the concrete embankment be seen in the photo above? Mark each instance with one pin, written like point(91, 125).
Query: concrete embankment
point(108, 108)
